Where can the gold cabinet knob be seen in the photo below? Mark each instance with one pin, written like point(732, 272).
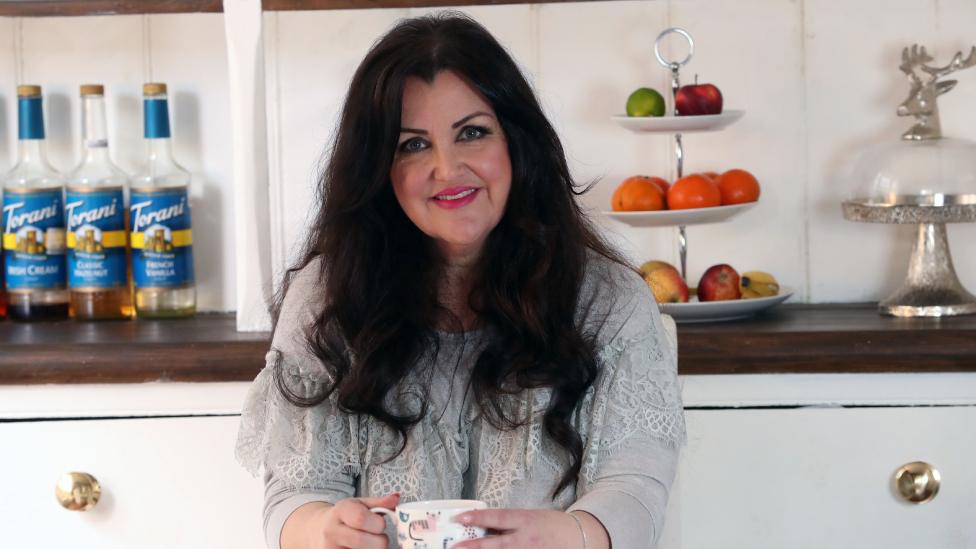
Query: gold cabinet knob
point(77, 491)
point(917, 482)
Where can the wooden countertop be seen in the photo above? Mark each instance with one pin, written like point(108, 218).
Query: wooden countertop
point(828, 339)
point(203, 348)
point(788, 339)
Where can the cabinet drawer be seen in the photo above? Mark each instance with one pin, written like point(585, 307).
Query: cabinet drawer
point(822, 477)
point(166, 482)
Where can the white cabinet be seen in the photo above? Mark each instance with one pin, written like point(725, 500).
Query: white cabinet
point(822, 477)
point(166, 483)
point(776, 461)
point(808, 460)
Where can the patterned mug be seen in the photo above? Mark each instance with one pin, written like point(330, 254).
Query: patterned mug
point(430, 525)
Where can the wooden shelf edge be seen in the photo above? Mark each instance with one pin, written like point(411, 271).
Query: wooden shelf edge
point(297, 5)
point(207, 347)
point(821, 352)
point(72, 8)
point(133, 363)
point(317, 5)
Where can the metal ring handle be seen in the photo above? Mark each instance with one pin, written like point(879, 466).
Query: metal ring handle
point(657, 47)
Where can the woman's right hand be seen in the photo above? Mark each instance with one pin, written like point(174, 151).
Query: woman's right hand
point(350, 525)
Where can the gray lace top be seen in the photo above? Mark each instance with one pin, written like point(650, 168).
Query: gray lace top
point(631, 422)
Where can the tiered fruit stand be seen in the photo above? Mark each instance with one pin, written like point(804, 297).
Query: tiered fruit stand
point(676, 126)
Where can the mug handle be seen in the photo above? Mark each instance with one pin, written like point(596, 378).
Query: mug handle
point(384, 511)
point(393, 517)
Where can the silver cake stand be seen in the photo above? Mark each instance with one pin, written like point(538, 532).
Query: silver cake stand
point(932, 287)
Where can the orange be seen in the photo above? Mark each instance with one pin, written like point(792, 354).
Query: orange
point(737, 187)
point(638, 193)
point(711, 175)
point(661, 184)
point(694, 191)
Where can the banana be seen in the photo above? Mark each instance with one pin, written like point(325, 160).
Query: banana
point(755, 284)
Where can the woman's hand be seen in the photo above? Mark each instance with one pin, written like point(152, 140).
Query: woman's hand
point(536, 528)
point(349, 525)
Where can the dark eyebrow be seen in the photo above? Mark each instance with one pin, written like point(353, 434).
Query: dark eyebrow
point(468, 117)
point(453, 126)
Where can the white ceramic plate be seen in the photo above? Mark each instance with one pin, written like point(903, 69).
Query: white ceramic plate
point(670, 218)
point(678, 124)
point(719, 311)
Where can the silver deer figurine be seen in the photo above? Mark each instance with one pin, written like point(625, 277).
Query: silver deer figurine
point(921, 101)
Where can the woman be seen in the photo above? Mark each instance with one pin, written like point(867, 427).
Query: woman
point(456, 328)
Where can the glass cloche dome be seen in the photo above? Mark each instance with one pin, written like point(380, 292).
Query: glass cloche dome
point(933, 172)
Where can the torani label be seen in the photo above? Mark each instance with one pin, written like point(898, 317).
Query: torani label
point(162, 241)
point(34, 240)
point(96, 238)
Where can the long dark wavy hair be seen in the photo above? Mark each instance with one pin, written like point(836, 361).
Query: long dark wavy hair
point(380, 272)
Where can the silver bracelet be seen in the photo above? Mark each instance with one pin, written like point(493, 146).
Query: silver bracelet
point(579, 524)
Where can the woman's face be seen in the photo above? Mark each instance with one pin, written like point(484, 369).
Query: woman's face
point(451, 172)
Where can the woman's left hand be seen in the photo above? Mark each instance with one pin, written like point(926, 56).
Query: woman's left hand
point(536, 528)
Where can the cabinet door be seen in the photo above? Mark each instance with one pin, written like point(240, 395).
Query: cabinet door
point(166, 483)
point(822, 477)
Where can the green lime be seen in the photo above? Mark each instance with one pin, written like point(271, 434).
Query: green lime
point(645, 102)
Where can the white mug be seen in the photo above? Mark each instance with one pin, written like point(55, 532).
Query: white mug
point(430, 524)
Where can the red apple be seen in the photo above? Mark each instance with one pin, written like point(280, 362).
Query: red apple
point(698, 99)
point(665, 282)
point(719, 283)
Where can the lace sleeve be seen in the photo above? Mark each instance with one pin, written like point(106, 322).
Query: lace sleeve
point(308, 454)
point(305, 448)
point(632, 422)
point(637, 395)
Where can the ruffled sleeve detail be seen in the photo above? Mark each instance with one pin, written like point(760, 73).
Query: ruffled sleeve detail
point(313, 448)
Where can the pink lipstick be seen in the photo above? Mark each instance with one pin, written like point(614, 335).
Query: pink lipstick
point(456, 197)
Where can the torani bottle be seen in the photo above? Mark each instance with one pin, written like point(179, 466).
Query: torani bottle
point(159, 218)
point(96, 219)
point(3, 284)
point(33, 222)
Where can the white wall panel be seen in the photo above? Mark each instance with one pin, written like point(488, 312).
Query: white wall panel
point(813, 85)
point(513, 25)
point(316, 55)
point(188, 52)
point(243, 24)
point(817, 81)
point(751, 50)
point(853, 88)
point(60, 54)
point(8, 92)
point(955, 21)
point(591, 56)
